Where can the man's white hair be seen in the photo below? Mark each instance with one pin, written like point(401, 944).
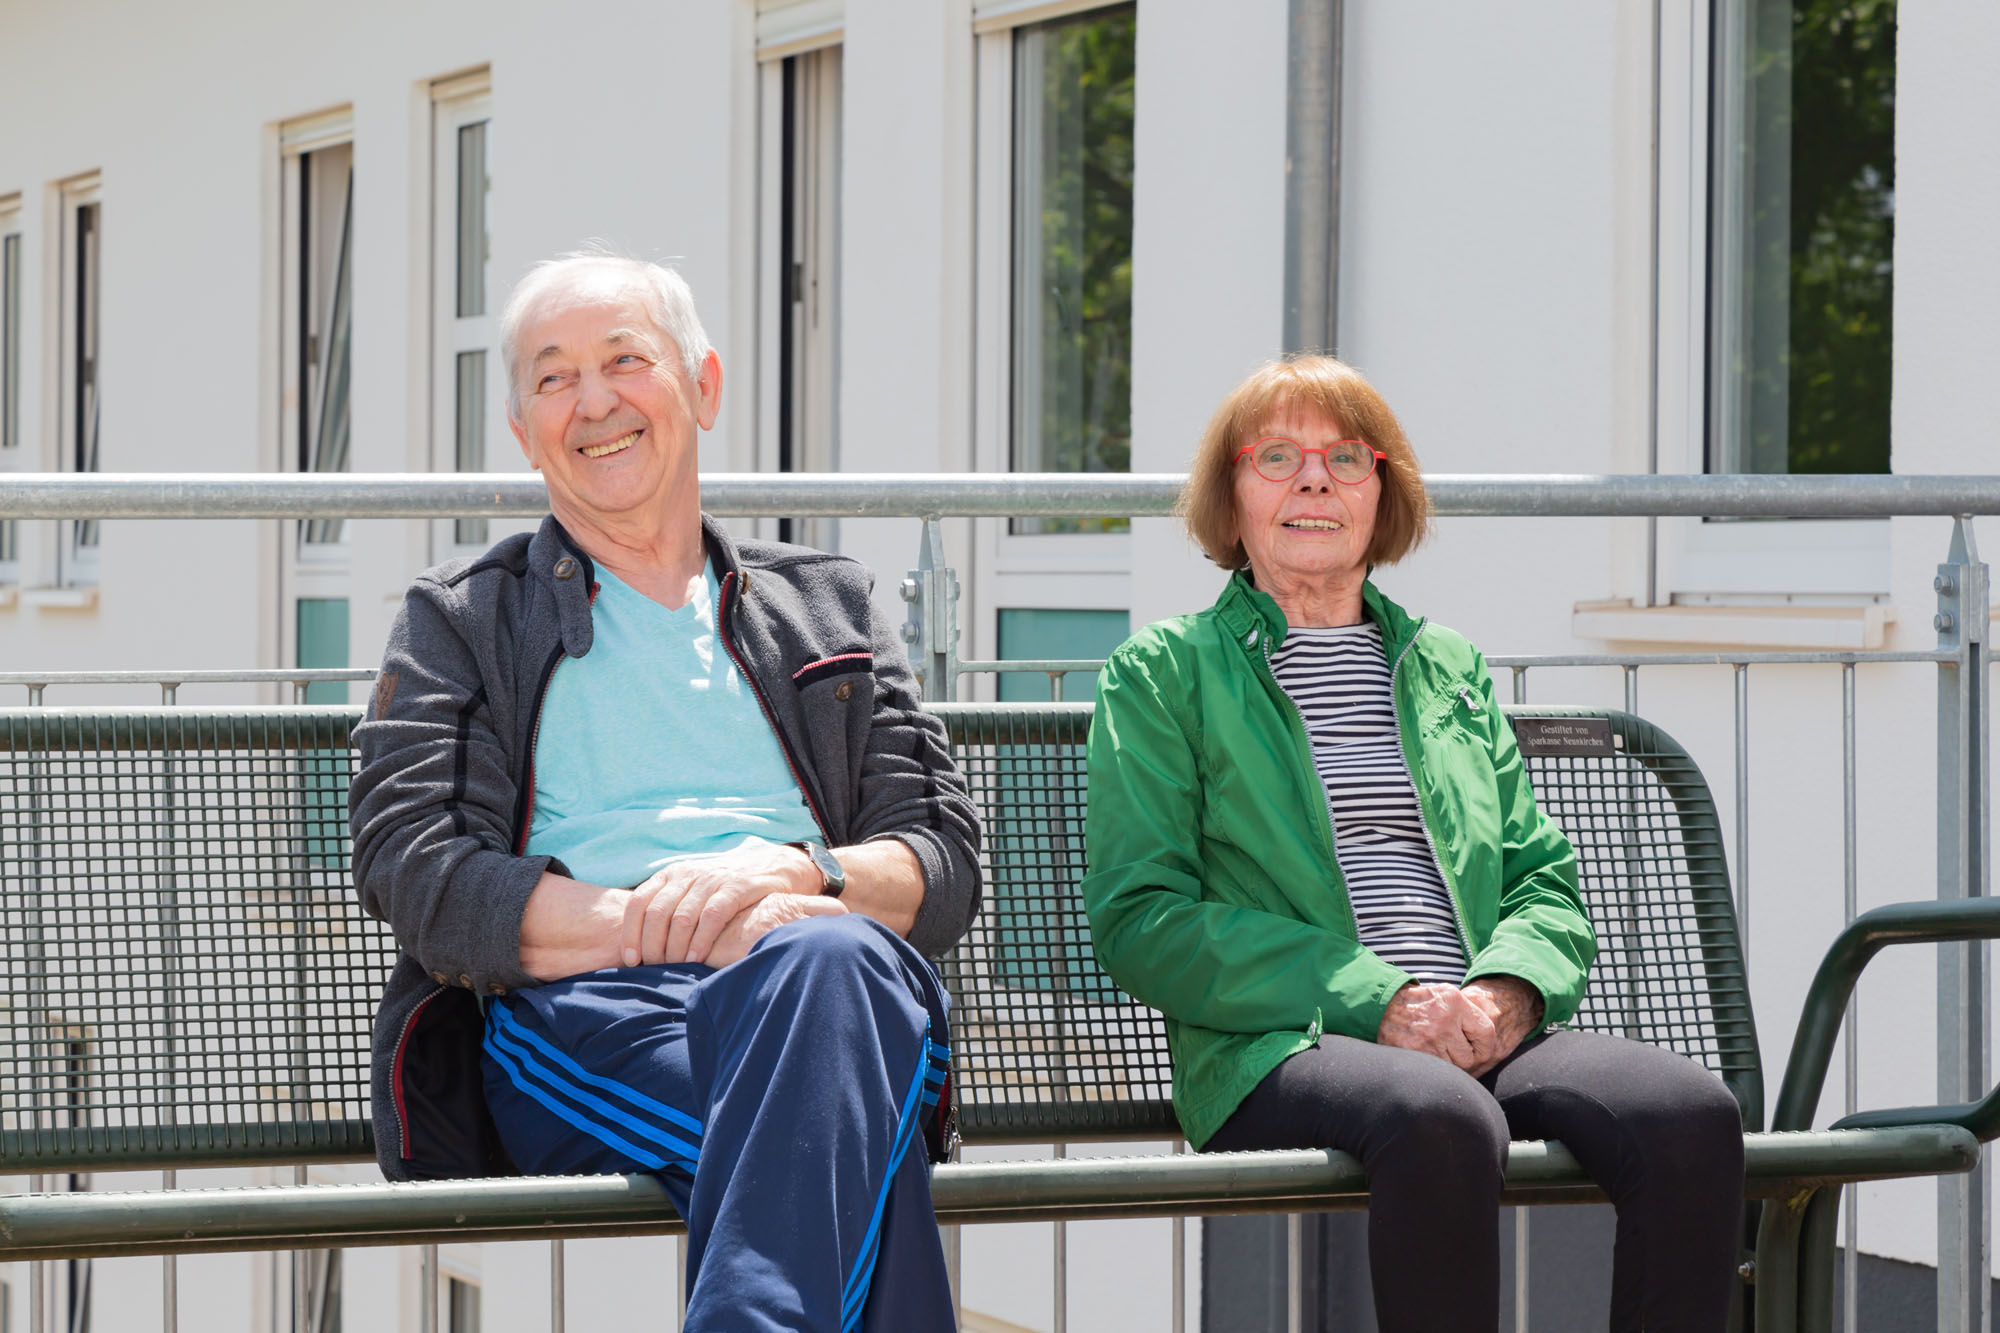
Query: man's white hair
point(666, 293)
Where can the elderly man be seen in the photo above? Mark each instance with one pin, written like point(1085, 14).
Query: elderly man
point(665, 840)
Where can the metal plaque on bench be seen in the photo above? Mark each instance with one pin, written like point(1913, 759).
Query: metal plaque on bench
point(1564, 735)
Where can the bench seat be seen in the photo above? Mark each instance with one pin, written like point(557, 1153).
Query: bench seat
point(194, 1221)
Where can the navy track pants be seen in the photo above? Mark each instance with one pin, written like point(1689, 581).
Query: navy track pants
point(780, 1099)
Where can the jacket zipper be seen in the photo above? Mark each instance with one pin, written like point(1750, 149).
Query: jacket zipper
point(722, 605)
point(396, 1070)
point(1423, 812)
point(1332, 825)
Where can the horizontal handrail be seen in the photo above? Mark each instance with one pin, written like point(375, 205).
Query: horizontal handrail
point(111, 495)
point(246, 676)
point(1032, 665)
point(1935, 922)
point(52, 1226)
point(1523, 661)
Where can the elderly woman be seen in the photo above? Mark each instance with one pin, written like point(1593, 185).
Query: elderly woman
point(1314, 849)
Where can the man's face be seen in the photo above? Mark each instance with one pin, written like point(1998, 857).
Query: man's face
point(607, 414)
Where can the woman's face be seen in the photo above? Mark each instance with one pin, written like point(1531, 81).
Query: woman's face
point(1311, 530)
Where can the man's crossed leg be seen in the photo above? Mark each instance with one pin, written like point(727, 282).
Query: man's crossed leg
point(781, 1099)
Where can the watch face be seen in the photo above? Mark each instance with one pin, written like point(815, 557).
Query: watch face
point(829, 869)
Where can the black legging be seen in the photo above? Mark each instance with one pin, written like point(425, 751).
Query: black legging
point(1661, 1135)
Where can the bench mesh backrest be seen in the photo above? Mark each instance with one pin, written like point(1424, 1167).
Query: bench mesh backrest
point(1669, 967)
point(1046, 1046)
point(186, 975)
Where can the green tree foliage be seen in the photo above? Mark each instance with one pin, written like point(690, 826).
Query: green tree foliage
point(1823, 85)
point(1843, 233)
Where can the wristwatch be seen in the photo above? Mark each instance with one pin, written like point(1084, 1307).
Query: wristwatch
point(833, 877)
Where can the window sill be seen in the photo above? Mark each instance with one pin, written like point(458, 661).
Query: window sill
point(1821, 628)
point(61, 599)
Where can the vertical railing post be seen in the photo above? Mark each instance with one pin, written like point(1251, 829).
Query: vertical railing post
point(1180, 1261)
point(556, 1301)
point(1295, 1273)
point(170, 932)
point(1850, 1278)
point(38, 1277)
point(954, 1260)
point(41, 1020)
point(1964, 1294)
point(427, 1289)
point(1061, 1304)
point(932, 629)
point(1521, 1268)
point(680, 1280)
point(1743, 809)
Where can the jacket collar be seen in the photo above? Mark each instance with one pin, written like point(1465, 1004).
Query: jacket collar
point(555, 559)
point(1244, 607)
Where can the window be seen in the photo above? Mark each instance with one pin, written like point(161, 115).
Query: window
point(321, 1274)
point(315, 324)
point(799, 237)
point(10, 324)
point(1072, 250)
point(78, 407)
point(10, 383)
point(1804, 224)
point(1057, 634)
point(466, 374)
point(1774, 220)
point(319, 208)
point(462, 1307)
point(1054, 117)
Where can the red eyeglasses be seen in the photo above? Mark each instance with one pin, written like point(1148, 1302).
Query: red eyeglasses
point(1277, 458)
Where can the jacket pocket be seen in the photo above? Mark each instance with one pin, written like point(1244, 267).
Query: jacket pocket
point(840, 666)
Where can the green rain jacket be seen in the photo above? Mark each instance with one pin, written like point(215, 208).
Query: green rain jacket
point(1214, 892)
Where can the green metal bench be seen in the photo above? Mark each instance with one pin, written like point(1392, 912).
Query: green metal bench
point(186, 980)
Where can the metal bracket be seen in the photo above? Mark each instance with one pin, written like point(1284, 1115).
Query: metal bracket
point(932, 629)
point(1964, 1044)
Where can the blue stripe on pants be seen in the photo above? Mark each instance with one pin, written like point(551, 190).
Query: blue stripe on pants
point(855, 1294)
point(577, 1106)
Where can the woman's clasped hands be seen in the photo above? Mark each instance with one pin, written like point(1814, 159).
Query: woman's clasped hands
point(1475, 1026)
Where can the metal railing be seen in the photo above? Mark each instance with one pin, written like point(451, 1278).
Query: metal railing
point(1961, 657)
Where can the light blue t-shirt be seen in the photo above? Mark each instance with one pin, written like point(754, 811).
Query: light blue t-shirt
point(653, 747)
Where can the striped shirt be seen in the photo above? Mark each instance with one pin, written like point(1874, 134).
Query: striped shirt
point(1339, 679)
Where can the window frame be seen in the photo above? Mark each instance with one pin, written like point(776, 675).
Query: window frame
point(456, 1281)
point(76, 555)
point(800, 115)
point(456, 104)
point(13, 318)
point(1836, 562)
point(307, 570)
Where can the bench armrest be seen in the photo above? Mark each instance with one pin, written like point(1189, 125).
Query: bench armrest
point(1939, 922)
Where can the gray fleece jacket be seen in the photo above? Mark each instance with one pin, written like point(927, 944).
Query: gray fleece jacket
point(442, 804)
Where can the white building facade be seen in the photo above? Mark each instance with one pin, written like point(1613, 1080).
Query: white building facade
point(1582, 236)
